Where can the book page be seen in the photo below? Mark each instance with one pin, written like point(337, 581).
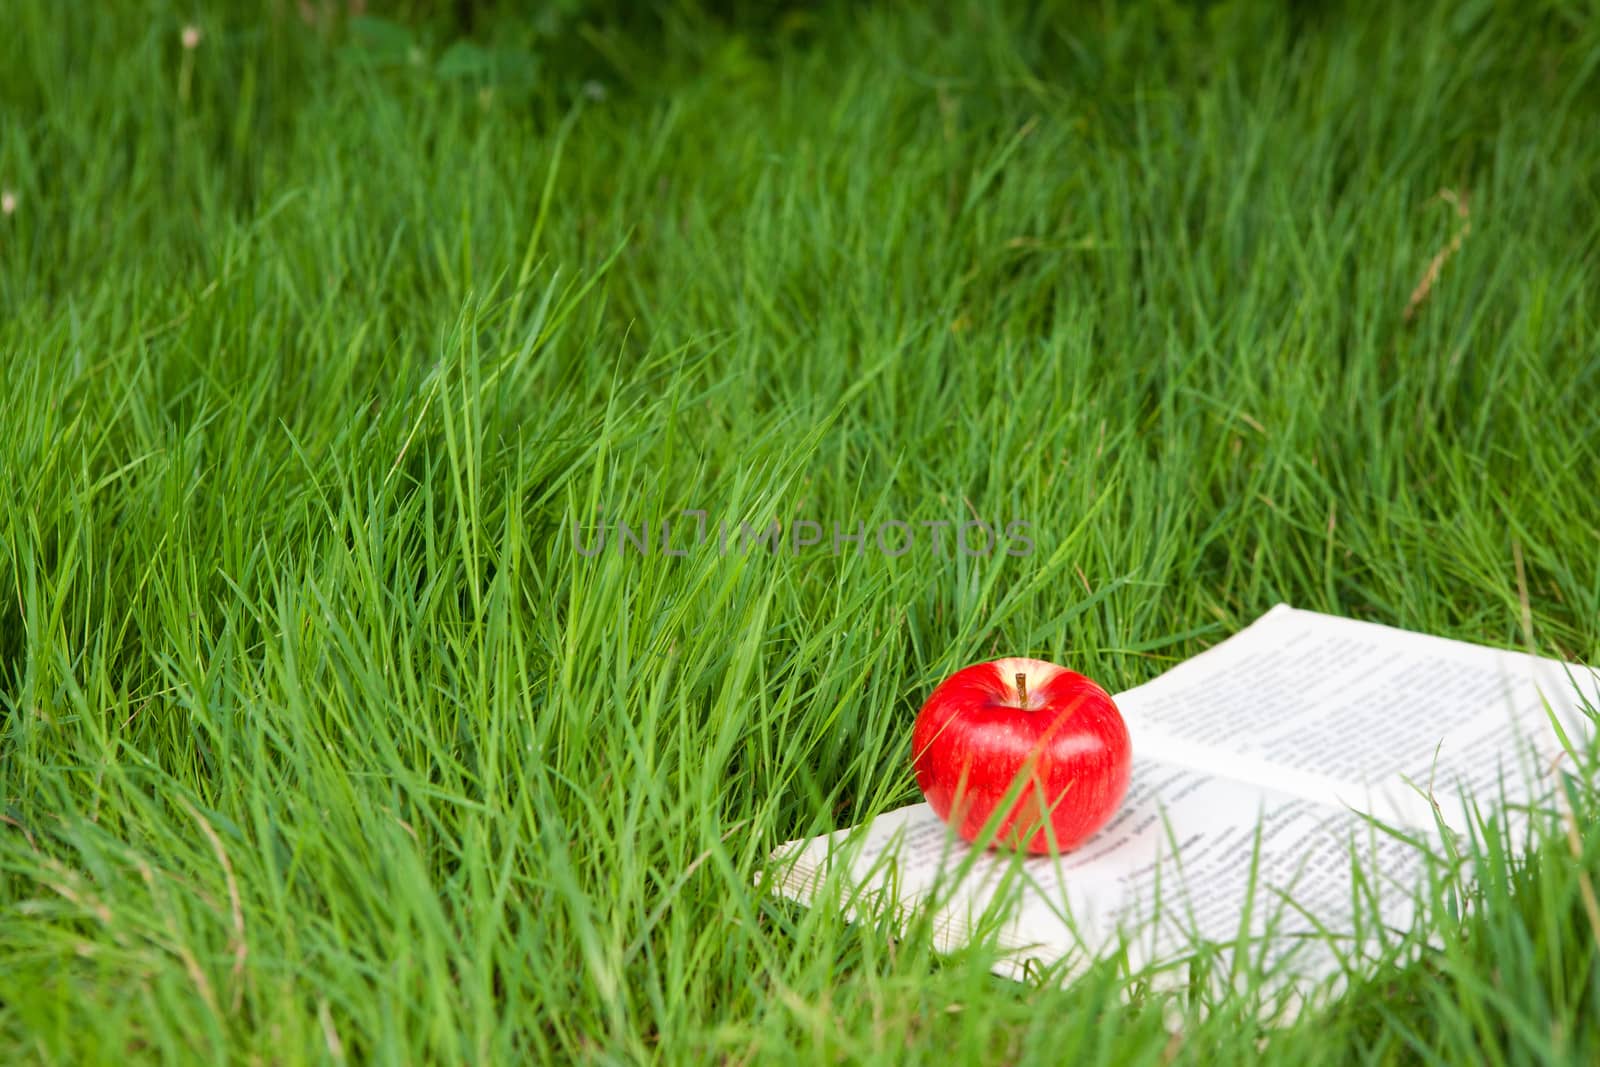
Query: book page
point(1252, 762)
point(1173, 867)
point(1346, 712)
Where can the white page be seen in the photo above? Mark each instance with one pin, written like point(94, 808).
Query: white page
point(1075, 906)
point(1345, 711)
point(1289, 728)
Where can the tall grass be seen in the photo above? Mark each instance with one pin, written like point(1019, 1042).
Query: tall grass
point(323, 741)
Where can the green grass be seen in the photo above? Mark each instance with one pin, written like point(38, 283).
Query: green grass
point(319, 740)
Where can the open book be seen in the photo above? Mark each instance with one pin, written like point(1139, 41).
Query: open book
point(1262, 770)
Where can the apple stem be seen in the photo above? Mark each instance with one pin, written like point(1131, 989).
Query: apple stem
point(1022, 689)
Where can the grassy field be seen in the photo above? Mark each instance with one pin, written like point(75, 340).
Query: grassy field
point(329, 350)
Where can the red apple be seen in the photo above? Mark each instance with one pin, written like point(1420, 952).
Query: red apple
point(994, 727)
